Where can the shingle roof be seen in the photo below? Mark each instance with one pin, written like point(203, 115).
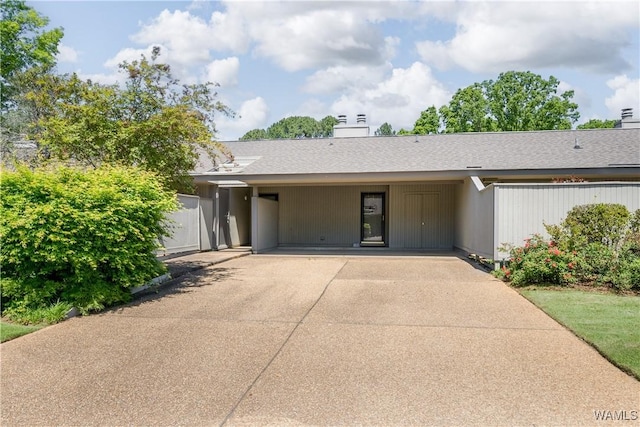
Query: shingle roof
point(600, 148)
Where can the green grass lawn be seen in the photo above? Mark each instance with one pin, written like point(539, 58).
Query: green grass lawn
point(9, 331)
point(611, 323)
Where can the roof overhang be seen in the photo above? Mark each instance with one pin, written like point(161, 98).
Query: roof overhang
point(629, 172)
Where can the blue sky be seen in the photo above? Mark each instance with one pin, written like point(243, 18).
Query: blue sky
point(389, 60)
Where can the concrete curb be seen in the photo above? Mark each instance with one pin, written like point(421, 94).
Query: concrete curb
point(154, 282)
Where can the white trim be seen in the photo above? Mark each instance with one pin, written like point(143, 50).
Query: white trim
point(478, 183)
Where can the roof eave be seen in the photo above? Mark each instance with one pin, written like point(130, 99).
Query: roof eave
point(389, 177)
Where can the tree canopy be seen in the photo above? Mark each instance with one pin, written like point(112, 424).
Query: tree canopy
point(526, 101)
point(468, 111)
point(24, 44)
point(428, 122)
point(385, 130)
point(597, 124)
point(152, 121)
point(294, 127)
point(515, 101)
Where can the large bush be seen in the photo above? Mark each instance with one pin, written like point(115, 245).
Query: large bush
point(80, 238)
point(601, 223)
point(595, 244)
point(540, 261)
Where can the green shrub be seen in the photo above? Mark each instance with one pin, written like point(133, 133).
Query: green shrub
point(602, 223)
point(79, 237)
point(540, 261)
point(595, 244)
point(626, 272)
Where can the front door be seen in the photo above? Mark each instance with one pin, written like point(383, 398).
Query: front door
point(372, 219)
point(421, 221)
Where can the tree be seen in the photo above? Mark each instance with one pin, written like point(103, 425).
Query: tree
point(152, 121)
point(598, 124)
point(428, 122)
point(404, 131)
point(468, 111)
point(521, 101)
point(294, 127)
point(254, 134)
point(24, 43)
point(385, 130)
point(515, 101)
point(326, 126)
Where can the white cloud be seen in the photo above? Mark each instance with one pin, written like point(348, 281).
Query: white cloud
point(302, 35)
point(105, 79)
point(179, 70)
point(185, 36)
point(67, 54)
point(397, 100)
point(311, 107)
point(580, 96)
point(497, 36)
point(130, 55)
point(190, 38)
point(626, 95)
point(252, 114)
point(343, 78)
point(223, 71)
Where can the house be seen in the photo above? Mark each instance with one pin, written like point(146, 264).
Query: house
point(469, 191)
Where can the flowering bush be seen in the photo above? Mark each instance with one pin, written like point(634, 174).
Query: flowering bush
point(596, 244)
point(540, 261)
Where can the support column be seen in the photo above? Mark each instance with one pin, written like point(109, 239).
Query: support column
point(254, 219)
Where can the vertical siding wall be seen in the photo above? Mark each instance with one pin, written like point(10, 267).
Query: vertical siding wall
point(264, 225)
point(474, 219)
point(410, 205)
point(186, 227)
point(240, 216)
point(320, 216)
point(522, 209)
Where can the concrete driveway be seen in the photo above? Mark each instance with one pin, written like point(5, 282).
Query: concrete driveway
point(311, 340)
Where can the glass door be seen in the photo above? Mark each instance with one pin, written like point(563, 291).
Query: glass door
point(372, 219)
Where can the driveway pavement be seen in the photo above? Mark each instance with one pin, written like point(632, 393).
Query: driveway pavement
point(316, 340)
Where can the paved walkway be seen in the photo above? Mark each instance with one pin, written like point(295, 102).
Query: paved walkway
point(181, 264)
point(315, 340)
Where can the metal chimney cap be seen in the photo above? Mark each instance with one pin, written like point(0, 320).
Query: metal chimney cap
point(627, 113)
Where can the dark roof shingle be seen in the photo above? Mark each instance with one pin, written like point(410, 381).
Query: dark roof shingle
point(600, 148)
